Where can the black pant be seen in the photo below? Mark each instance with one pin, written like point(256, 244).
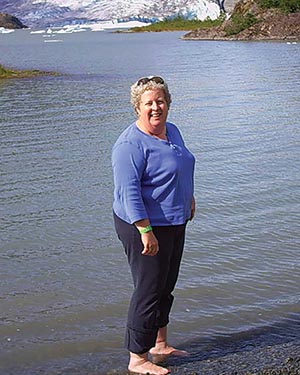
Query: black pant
point(154, 279)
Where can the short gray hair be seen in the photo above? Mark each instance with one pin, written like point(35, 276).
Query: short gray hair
point(137, 90)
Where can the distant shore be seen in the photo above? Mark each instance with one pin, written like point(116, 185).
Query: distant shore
point(7, 73)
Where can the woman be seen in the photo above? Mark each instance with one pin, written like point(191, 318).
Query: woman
point(153, 200)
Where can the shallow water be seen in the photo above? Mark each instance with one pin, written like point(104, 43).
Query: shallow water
point(65, 284)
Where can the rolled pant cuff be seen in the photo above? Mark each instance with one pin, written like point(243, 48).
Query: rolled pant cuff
point(140, 342)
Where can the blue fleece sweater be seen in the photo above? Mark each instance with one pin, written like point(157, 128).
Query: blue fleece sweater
point(153, 178)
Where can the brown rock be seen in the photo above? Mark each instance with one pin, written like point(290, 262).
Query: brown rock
point(10, 22)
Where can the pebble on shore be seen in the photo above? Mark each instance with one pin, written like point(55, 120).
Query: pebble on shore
point(280, 359)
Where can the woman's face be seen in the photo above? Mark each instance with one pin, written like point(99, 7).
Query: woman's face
point(153, 111)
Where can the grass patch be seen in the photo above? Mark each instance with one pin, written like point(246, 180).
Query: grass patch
point(11, 73)
point(288, 6)
point(4, 71)
point(239, 23)
point(179, 24)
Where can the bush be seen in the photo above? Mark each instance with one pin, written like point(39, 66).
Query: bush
point(4, 72)
point(179, 23)
point(2, 69)
point(239, 23)
point(289, 6)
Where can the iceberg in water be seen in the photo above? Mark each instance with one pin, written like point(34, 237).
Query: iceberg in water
point(68, 29)
point(53, 41)
point(37, 32)
point(3, 30)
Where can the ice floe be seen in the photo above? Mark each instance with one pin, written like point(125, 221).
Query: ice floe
point(3, 30)
point(97, 26)
point(53, 41)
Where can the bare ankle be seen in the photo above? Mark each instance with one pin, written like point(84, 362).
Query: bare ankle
point(159, 346)
point(166, 350)
point(140, 363)
point(137, 359)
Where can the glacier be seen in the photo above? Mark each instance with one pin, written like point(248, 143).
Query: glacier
point(45, 13)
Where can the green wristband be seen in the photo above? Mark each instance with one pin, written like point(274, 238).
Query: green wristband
point(147, 229)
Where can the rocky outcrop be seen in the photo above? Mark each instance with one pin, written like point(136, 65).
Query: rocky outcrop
point(274, 26)
point(251, 22)
point(10, 22)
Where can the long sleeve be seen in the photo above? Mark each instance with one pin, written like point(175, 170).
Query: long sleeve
point(128, 166)
point(153, 177)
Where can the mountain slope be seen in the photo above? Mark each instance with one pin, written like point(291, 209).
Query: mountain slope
point(58, 12)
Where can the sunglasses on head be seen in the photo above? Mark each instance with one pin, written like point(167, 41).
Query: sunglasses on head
point(144, 80)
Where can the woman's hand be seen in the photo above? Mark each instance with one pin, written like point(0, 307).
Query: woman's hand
point(149, 240)
point(150, 244)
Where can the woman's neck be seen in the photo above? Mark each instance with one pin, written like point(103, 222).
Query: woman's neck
point(161, 135)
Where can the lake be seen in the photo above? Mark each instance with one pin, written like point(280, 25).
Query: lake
point(65, 282)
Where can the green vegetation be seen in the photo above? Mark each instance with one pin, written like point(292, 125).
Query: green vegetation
point(289, 6)
point(178, 24)
point(10, 73)
point(239, 23)
point(5, 72)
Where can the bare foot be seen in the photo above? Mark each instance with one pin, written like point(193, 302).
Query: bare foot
point(166, 350)
point(161, 353)
point(140, 364)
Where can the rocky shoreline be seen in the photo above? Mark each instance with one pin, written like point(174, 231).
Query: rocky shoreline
point(276, 359)
point(280, 359)
point(264, 25)
point(272, 28)
point(266, 350)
